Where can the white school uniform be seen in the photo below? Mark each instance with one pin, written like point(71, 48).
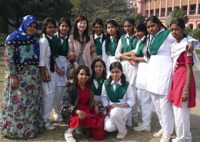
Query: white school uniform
point(108, 59)
point(143, 98)
point(119, 117)
point(48, 87)
point(130, 72)
point(159, 82)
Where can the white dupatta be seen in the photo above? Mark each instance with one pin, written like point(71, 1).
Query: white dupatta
point(178, 48)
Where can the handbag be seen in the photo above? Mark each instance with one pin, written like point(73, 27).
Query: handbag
point(66, 112)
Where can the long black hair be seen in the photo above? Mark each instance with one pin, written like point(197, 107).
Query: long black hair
point(119, 66)
point(77, 72)
point(67, 21)
point(154, 19)
point(107, 40)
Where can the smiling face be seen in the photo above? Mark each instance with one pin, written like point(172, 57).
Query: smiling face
point(139, 34)
point(98, 29)
point(177, 32)
point(31, 30)
point(82, 77)
point(82, 25)
point(98, 68)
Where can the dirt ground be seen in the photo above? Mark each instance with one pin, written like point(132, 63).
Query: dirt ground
point(57, 135)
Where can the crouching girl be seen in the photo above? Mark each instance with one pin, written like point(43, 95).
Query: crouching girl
point(117, 97)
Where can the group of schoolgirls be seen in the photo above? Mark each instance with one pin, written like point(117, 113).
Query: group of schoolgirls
point(140, 68)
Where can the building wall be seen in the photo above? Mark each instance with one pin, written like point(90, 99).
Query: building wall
point(162, 8)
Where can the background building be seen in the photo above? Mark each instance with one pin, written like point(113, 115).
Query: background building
point(162, 8)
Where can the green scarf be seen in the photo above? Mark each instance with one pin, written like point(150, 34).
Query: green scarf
point(98, 44)
point(115, 94)
point(157, 41)
point(140, 44)
point(128, 47)
point(97, 91)
point(112, 47)
point(61, 47)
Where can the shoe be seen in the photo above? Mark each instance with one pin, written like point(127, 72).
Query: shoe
point(165, 138)
point(142, 128)
point(70, 139)
point(121, 135)
point(158, 134)
point(78, 131)
point(49, 126)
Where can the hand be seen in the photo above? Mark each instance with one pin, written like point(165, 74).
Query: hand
point(81, 114)
point(185, 96)
point(71, 56)
point(15, 82)
point(59, 71)
point(96, 108)
point(45, 76)
point(93, 50)
point(190, 47)
point(133, 62)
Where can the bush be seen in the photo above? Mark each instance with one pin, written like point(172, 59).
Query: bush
point(195, 33)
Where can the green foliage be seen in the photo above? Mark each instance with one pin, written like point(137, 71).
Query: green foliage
point(177, 13)
point(139, 17)
point(12, 11)
point(195, 33)
point(105, 9)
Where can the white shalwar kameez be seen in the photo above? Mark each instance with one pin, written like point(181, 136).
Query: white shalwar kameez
point(119, 117)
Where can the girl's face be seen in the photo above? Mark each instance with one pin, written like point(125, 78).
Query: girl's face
point(82, 77)
point(31, 30)
point(82, 25)
point(111, 29)
point(64, 28)
point(98, 68)
point(116, 74)
point(139, 34)
point(128, 28)
point(50, 29)
point(153, 28)
point(177, 32)
point(98, 29)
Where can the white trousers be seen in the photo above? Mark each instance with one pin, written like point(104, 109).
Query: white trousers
point(164, 112)
point(60, 92)
point(48, 97)
point(182, 123)
point(135, 106)
point(116, 121)
point(145, 105)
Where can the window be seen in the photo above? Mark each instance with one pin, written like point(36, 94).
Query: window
point(151, 12)
point(184, 8)
point(162, 12)
point(157, 12)
point(192, 9)
point(146, 12)
point(169, 10)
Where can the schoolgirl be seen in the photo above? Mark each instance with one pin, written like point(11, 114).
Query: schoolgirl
point(98, 35)
point(61, 42)
point(81, 105)
point(110, 44)
point(143, 99)
point(118, 99)
point(183, 91)
point(47, 64)
point(126, 44)
point(98, 76)
point(81, 46)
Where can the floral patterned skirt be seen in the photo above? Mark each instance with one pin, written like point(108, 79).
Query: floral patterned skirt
point(21, 111)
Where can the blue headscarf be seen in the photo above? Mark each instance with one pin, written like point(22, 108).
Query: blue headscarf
point(20, 37)
point(20, 33)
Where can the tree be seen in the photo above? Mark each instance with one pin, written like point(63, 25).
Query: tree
point(177, 13)
point(105, 9)
point(12, 11)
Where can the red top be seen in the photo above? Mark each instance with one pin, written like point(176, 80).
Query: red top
point(179, 81)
